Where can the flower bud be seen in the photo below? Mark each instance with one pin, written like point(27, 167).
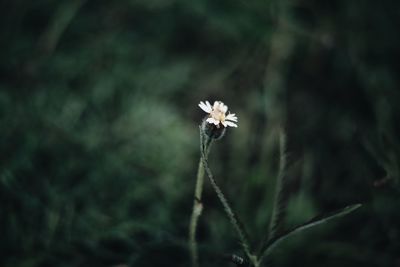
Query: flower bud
point(211, 130)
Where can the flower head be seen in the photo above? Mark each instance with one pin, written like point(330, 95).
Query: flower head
point(217, 114)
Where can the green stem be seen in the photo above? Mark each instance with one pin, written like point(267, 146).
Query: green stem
point(231, 215)
point(197, 204)
point(196, 212)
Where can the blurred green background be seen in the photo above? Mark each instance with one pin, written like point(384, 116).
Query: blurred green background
point(99, 125)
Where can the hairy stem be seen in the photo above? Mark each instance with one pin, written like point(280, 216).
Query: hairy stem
point(197, 204)
point(231, 215)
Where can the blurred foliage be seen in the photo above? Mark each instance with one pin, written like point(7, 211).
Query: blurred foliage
point(98, 115)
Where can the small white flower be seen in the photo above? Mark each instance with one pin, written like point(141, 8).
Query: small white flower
point(217, 114)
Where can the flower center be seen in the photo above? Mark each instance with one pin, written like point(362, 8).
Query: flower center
point(218, 115)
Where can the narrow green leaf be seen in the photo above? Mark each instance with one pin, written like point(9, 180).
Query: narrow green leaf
point(313, 222)
point(281, 192)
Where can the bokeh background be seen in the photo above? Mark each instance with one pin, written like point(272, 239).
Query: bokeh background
point(99, 128)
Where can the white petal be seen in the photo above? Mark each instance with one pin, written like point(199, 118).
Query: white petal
point(202, 105)
point(224, 123)
point(212, 120)
point(229, 123)
point(223, 107)
point(231, 117)
point(205, 107)
point(216, 104)
point(209, 105)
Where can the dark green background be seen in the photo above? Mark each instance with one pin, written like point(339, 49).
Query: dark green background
point(99, 139)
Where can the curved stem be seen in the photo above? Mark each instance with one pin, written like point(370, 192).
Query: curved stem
point(231, 215)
